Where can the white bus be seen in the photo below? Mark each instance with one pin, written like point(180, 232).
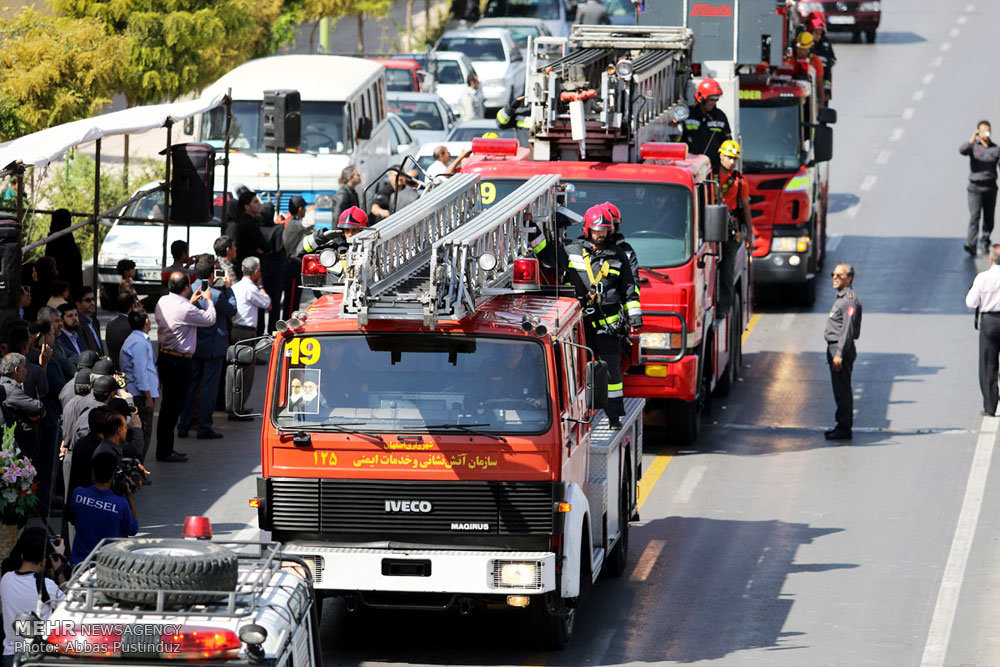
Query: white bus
point(343, 122)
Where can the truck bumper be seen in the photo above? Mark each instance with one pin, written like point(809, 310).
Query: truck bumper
point(351, 569)
point(679, 381)
point(781, 267)
point(858, 21)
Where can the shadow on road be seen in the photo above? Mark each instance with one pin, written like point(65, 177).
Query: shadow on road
point(841, 201)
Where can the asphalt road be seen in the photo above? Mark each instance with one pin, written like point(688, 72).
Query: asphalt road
point(767, 545)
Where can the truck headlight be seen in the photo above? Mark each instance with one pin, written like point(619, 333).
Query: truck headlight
point(660, 341)
point(324, 201)
point(790, 244)
point(870, 7)
point(519, 575)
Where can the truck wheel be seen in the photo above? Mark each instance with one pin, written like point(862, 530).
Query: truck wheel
point(728, 379)
point(618, 560)
point(139, 567)
point(870, 36)
point(553, 619)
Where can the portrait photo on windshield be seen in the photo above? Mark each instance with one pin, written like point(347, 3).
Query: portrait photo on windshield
point(304, 391)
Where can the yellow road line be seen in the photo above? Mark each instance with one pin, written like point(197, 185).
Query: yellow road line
point(652, 476)
point(647, 560)
point(750, 326)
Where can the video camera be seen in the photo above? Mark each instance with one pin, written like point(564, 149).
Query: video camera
point(321, 239)
point(128, 478)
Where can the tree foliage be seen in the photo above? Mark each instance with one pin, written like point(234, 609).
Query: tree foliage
point(53, 70)
point(173, 47)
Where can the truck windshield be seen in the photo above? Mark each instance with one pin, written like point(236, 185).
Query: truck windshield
point(405, 382)
point(771, 137)
point(656, 217)
point(322, 127)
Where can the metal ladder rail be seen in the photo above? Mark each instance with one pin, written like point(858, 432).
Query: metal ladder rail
point(456, 273)
point(630, 37)
point(382, 257)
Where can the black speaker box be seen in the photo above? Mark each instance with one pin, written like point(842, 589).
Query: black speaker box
point(192, 182)
point(281, 119)
point(10, 262)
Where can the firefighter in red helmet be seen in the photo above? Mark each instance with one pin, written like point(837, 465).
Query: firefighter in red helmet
point(352, 221)
point(707, 125)
point(598, 270)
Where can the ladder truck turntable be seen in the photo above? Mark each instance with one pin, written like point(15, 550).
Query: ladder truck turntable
point(599, 115)
point(419, 495)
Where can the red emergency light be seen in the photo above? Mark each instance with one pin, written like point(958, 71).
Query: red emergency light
point(663, 151)
point(197, 527)
point(527, 274)
point(188, 643)
point(481, 146)
point(311, 266)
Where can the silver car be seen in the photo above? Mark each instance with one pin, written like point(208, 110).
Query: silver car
point(520, 28)
point(497, 59)
point(427, 116)
point(450, 71)
point(556, 15)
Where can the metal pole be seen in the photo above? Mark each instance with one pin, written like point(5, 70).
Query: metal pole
point(166, 196)
point(20, 194)
point(225, 160)
point(97, 209)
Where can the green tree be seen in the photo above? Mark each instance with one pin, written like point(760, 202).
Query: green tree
point(53, 70)
point(173, 47)
point(335, 9)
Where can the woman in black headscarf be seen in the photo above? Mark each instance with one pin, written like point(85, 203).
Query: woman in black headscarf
point(64, 250)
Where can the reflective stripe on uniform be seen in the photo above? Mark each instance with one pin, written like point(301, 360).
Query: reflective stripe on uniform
point(576, 258)
point(614, 272)
point(616, 390)
point(607, 320)
point(538, 245)
point(634, 308)
point(524, 124)
point(502, 117)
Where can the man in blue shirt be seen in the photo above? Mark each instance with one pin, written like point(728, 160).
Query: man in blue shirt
point(142, 379)
point(209, 352)
point(99, 513)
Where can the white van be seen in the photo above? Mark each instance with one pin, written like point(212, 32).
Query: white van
point(344, 121)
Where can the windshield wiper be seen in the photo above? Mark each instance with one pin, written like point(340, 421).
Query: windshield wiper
point(340, 428)
point(662, 275)
point(467, 428)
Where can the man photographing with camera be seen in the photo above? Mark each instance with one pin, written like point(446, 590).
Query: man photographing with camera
point(982, 192)
point(99, 511)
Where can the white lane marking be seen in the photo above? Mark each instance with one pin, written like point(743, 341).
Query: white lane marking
point(908, 113)
point(965, 532)
point(786, 319)
point(852, 212)
point(647, 560)
point(690, 483)
point(833, 242)
point(897, 134)
point(918, 95)
point(869, 182)
point(770, 428)
point(962, 19)
point(937, 62)
point(946, 46)
point(954, 32)
point(883, 157)
point(928, 78)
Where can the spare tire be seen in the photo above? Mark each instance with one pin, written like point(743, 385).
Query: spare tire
point(138, 567)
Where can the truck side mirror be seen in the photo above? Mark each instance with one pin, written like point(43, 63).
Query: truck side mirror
point(364, 128)
point(716, 225)
point(240, 355)
point(597, 384)
point(823, 143)
point(827, 116)
point(189, 125)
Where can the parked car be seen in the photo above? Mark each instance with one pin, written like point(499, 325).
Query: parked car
point(556, 14)
point(471, 129)
point(520, 28)
point(448, 72)
point(498, 61)
point(428, 117)
point(404, 74)
point(857, 18)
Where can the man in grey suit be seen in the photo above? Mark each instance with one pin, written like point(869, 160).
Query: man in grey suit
point(592, 12)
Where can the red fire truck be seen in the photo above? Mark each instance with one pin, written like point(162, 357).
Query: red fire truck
point(432, 437)
point(686, 349)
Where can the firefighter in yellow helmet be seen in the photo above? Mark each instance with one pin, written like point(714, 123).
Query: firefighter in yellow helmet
point(736, 196)
point(803, 59)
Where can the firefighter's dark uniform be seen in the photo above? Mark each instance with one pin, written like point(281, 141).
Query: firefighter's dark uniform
point(515, 116)
point(704, 133)
point(824, 51)
point(606, 287)
point(843, 327)
point(633, 260)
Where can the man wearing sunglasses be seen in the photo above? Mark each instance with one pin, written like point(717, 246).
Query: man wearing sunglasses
point(843, 327)
point(90, 327)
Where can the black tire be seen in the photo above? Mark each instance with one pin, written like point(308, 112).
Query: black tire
point(856, 37)
point(138, 567)
point(552, 617)
point(728, 379)
point(871, 35)
point(618, 559)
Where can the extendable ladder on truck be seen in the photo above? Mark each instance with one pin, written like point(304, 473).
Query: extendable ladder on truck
point(441, 258)
point(614, 83)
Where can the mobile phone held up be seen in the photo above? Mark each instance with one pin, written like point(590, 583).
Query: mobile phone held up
point(204, 284)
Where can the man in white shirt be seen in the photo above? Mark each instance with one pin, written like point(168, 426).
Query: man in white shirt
point(472, 105)
point(250, 299)
point(984, 296)
point(443, 165)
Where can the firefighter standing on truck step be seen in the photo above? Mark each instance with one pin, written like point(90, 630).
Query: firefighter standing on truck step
point(736, 196)
point(619, 239)
point(515, 114)
point(707, 125)
point(600, 273)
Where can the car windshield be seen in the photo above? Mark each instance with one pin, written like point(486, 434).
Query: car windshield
point(770, 137)
point(470, 133)
point(656, 217)
point(448, 72)
point(476, 48)
point(521, 34)
point(547, 10)
point(399, 79)
point(619, 8)
point(322, 127)
point(150, 207)
point(418, 115)
point(404, 382)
